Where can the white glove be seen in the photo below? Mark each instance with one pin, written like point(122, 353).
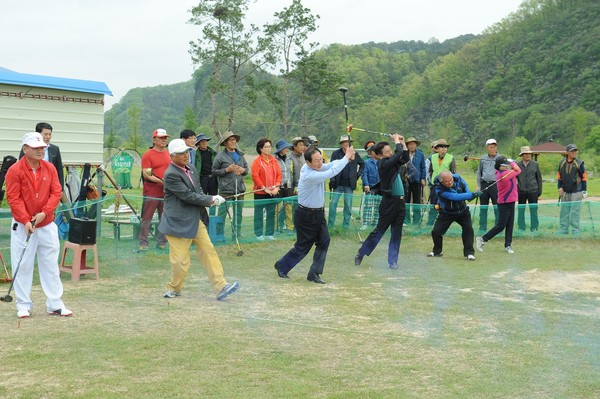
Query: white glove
point(217, 200)
point(584, 194)
point(510, 160)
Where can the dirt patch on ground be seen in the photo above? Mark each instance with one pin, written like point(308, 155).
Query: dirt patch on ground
point(561, 282)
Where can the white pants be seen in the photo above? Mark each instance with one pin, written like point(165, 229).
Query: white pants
point(43, 243)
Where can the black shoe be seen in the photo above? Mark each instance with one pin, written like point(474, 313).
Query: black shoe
point(393, 265)
point(315, 278)
point(358, 259)
point(281, 273)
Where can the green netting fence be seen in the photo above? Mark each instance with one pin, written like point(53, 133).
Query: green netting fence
point(118, 225)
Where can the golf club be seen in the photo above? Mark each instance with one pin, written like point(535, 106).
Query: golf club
point(344, 90)
point(234, 231)
point(496, 182)
point(247, 192)
point(7, 297)
point(349, 128)
point(7, 279)
point(468, 158)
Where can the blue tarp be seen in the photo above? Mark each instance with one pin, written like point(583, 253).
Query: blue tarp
point(22, 79)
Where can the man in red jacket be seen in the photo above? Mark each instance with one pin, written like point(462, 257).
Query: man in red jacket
point(33, 192)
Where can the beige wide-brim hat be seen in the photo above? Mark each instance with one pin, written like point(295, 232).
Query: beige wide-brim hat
point(227, 135)
point(344, 138)
point(525, 150)
point(413, 140)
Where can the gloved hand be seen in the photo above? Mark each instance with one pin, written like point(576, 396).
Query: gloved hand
point(477, 194)
point(584, 194)
point(217, 200)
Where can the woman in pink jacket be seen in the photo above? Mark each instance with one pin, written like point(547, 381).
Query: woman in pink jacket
point(266, 176)
point(506, 178)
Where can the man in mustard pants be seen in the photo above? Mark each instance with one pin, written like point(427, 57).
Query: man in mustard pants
point(184, 209)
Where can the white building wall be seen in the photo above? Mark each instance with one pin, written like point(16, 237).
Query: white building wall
point(78, 127)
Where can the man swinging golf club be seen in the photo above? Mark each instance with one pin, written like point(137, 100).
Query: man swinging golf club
point(184, 222)
point(33, 193)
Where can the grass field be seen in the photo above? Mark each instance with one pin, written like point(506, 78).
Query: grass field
point(505, 326)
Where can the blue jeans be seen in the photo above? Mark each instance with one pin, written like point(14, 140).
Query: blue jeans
point(335, 197)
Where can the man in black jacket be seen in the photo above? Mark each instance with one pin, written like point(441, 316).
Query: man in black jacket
point(392, 208)
point(344, 182)
point(530, 188)
point(52, 153)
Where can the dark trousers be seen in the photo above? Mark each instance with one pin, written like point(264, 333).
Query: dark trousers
point(532, 199)
point(489, 195)
point(264, 202)
point(311, 228)
point(433, 213)
point(149, 206)
point(413, 196)
point(209, 187)
point(442, 224)
point(235, 216)
point(506, 220)
point(391, 214)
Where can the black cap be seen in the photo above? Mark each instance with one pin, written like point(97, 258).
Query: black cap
point(501, 160)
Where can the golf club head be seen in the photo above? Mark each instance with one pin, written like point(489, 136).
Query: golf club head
point(343, 89)
point(240, 253)
point(6, 298)
point(466, 158)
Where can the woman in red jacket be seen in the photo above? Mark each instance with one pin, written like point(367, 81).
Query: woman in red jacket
point(266, 176)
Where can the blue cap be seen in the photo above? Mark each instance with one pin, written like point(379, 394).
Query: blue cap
point(281, 144)
point(201, 137)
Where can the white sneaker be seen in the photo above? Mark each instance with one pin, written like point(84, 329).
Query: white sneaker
point(434, 255)
point(64, 312)
point(470, 257)
point(260, 238)
point(172, 294)
point(23, 313)
point(509, 250)
point(270, 238)
point(479, 244)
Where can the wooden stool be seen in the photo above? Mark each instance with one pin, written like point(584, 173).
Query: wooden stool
point(79, 265)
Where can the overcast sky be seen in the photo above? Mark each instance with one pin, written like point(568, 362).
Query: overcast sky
point(139, 43)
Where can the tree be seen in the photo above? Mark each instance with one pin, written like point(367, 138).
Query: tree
point(228, 45)
point(317, 82)
point(189, 119)
point(134, 127)
point(290, 33)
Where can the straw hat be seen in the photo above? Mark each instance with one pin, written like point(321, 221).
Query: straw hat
point(412, 139)
point(227, 135)
point(525, 150)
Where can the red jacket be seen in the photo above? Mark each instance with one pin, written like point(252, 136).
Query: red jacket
point(265, 174)
point(24, 199)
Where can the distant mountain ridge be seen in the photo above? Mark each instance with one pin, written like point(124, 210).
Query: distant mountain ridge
point(531, 77)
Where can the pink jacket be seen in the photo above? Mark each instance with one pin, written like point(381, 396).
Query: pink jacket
point(507, 184)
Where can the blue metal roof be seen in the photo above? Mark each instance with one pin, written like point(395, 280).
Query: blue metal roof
point(22, 79)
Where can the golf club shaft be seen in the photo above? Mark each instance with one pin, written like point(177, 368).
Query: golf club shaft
point(7, 297)
point(369, 131)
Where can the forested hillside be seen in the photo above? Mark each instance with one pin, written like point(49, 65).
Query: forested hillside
point(532, 77)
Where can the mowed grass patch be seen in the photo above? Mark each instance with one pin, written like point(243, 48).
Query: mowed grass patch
point(522, 325)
